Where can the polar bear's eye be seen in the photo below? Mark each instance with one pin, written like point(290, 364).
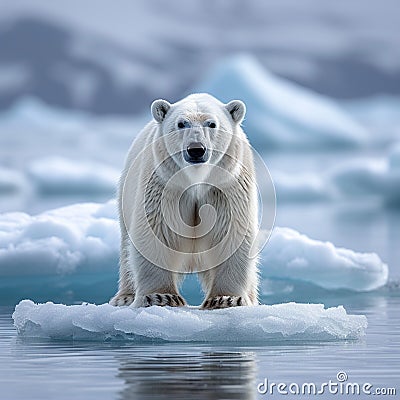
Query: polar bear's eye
point(210, 124)
point(183, 124)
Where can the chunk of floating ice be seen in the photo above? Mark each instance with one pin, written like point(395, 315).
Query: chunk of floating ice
point(292, 256)
point(79, 238)
point(291, 321)
point(82, 241)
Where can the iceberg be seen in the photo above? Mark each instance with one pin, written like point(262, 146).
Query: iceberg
point(78, 238)
point(292, 256)
point(260, 324)
point(281, 113)
point(73, 251)
point(60, 175)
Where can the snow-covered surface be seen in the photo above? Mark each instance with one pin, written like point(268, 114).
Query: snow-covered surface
point(61, 175)
point(280, 112)
point(79, 238)
point(292, 256)
point(84, 238)
point(291, 321)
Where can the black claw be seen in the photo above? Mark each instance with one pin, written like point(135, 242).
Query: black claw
point(159, 298)
point(229, 301)
point(148, 298)
point(205, 304)
point(213, 302)
point(239, 301)
point(169, 300)
point(221, 300)
point(178, 299)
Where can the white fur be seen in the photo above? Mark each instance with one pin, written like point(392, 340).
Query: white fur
point(206, 225)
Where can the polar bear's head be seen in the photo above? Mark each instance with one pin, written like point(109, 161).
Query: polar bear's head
point(198, 129)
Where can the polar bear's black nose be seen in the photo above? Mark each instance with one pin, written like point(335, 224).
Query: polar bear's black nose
point(196, 152)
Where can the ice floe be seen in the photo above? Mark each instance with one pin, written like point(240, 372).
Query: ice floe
point(292, 256)
point(82, 240)
point(79, 238)
point(291, 321)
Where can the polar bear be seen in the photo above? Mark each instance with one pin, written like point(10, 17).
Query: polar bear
point(188, 203)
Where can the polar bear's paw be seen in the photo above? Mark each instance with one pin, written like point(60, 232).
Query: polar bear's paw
point(122, 299)
point(160, 299)
point(223, 302)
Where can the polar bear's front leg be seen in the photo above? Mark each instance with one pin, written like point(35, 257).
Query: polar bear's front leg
point(126, 287)
point(233, 283)
point(155, 286)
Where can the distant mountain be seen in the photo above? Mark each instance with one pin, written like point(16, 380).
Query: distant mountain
point(47, 61)
point(68, 66)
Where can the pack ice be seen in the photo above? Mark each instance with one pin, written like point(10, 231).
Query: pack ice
point(291, 321)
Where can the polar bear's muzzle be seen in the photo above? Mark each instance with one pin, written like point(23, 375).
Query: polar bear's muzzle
point(195, 153)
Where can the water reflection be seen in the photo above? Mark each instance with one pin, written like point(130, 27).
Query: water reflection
point(171, 375)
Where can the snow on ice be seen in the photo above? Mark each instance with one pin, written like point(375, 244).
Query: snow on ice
point(83, 239)
point(79, 238)
point(292, 256)
point(291, 321)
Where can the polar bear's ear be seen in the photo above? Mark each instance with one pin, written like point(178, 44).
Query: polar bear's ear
point(237, 110)
point(159, 109)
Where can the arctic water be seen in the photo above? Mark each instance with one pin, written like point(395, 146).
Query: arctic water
point(46, 369)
